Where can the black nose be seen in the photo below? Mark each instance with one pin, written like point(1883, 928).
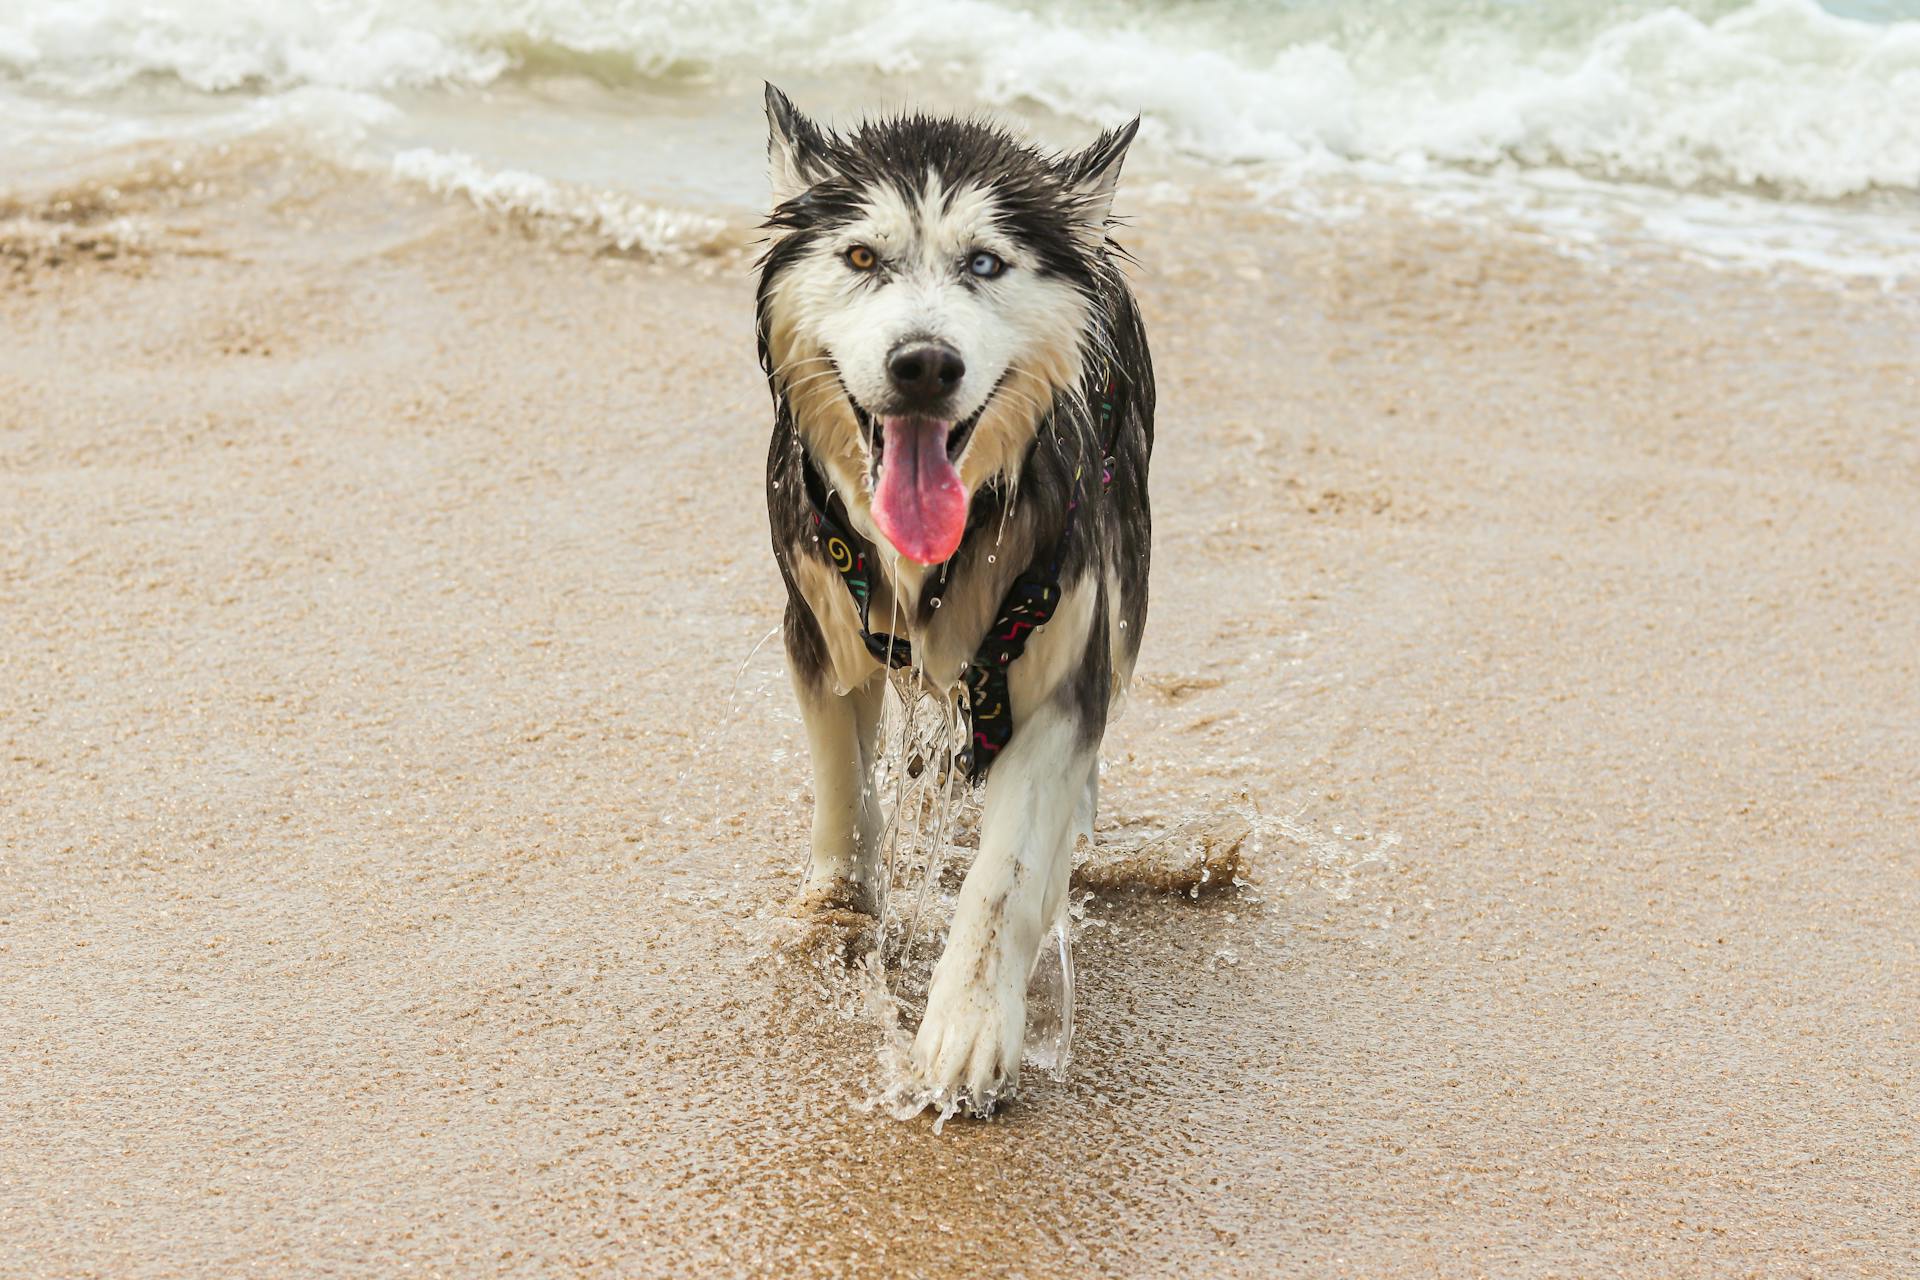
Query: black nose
point(923, 372)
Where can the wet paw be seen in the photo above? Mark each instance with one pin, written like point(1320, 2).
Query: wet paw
point(967, 1053)
point(833, 925)
point(836, 897)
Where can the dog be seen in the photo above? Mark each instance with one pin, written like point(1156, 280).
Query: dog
point(957, 487)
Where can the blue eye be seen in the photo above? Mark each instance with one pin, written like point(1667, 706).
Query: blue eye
point(986, 265)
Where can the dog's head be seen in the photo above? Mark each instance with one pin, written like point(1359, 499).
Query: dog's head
point(930, 290)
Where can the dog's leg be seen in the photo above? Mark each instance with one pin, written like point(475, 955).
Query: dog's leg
point(970, 1040)
point(843, 867)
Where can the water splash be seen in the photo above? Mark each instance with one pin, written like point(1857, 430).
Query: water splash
point(930, 837)
point(1050, 1003)
point(881, 974)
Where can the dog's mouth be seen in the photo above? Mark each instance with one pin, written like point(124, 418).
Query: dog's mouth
point(872, 432)
point(918, 500)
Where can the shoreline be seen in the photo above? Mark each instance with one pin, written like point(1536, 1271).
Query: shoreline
point(1861, 243)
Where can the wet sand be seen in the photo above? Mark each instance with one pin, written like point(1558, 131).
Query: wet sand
point(398, 820)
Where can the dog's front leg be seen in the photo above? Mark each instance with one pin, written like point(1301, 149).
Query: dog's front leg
point(843, 864)
point(970, 1040)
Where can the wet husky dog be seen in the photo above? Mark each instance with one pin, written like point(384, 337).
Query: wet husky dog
point(963, 396)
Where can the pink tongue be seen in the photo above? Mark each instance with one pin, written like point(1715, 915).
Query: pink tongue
point(920, 504)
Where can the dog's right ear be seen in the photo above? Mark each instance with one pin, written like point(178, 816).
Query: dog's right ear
point(1094, 173)
point(796, 151)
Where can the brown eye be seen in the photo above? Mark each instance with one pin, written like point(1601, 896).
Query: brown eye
point(861, 258)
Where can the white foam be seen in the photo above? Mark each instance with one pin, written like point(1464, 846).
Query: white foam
point(1780, 99)
point(625, 222)
point(85, 47)
point(1776, 92)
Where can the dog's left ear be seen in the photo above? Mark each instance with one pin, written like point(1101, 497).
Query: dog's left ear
point(1094, 173)
point(796, 151)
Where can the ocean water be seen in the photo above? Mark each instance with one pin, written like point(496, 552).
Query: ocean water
point(1753, 131)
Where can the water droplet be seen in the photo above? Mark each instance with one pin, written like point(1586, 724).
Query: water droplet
point(990, 559)
point(936, 602)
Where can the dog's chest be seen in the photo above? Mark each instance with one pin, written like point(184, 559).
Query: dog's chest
point(941, 618)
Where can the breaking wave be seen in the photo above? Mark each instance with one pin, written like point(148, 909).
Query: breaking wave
point(1775, 96)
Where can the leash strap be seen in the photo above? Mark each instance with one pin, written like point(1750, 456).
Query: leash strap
point(1027, 607)
point(849, 558)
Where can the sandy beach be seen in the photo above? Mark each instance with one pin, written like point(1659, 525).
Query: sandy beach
point(397, 819)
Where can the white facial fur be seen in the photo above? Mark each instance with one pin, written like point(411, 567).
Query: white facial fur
point(1020, 321)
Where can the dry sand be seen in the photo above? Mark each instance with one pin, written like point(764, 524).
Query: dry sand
point(391, 870)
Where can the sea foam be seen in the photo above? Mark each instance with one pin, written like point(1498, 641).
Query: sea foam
point(1774, 94)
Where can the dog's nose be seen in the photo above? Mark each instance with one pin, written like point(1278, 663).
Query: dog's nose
point(923, 372)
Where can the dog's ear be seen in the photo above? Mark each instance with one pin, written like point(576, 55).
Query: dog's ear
point(796, 151)
point(1094, 173)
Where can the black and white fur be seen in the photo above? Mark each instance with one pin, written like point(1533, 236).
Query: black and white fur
point(925, 196)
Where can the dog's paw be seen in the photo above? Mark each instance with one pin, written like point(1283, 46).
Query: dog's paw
point(967, 1052)
point(834, 922)
point(835, 896)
